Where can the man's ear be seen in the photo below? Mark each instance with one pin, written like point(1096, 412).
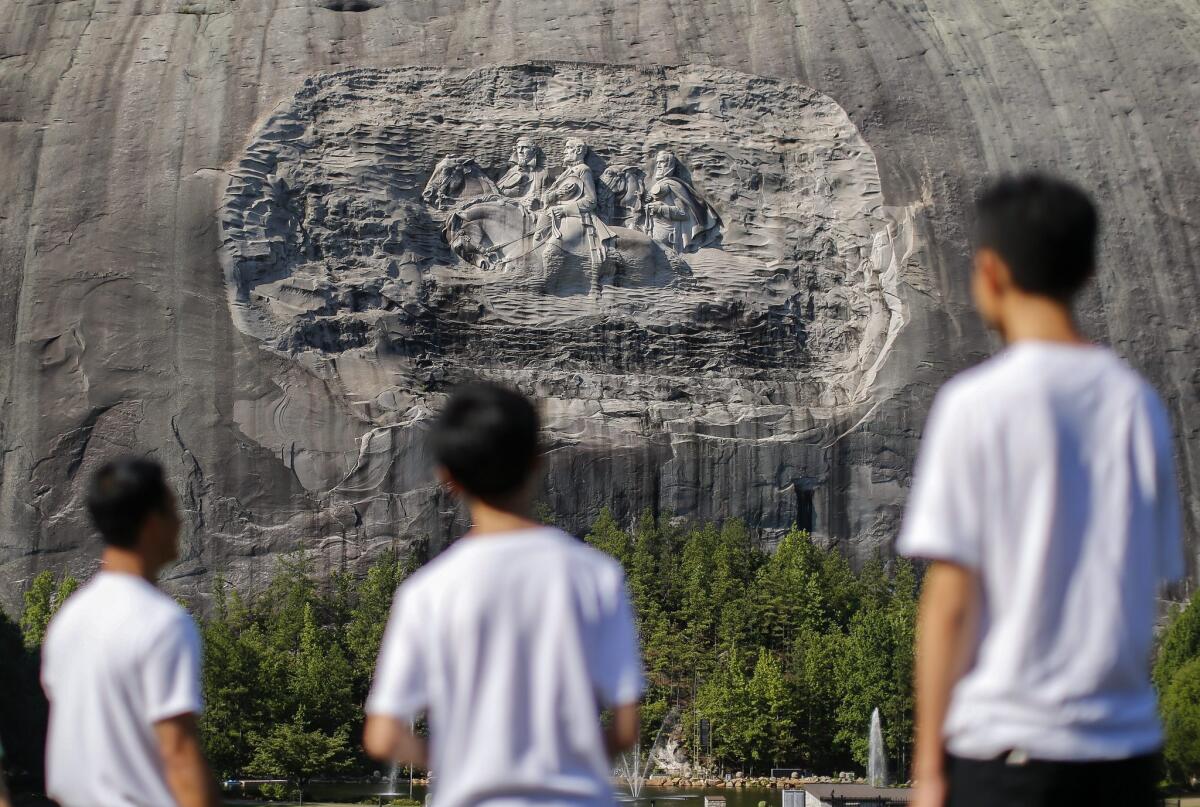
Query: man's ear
point(992, 269)
point(447, 481)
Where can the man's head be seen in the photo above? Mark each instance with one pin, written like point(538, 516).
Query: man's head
point(485, 443)
point(664, 165)
point(134, 509)
point(525, 153)
point(1035, 237)
point(574, 150)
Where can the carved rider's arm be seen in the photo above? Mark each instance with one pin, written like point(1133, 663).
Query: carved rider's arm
point(666, 204)
point(675, 212)
point(587, 198)
point(510, 180)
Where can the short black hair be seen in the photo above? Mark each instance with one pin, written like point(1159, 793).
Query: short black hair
point(123, 492)
point(487, 438)
point(1044, 228)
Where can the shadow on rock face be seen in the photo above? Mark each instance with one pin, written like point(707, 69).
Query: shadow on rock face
point(350, 5)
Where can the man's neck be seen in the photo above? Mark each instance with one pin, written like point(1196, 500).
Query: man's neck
point(127, 561)
point(1034, 318)
point(487, 519)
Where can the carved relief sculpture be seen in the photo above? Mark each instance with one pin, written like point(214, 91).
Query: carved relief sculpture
point(570, 204)
point(526, 178)
point(625, 234)
point(676, 215)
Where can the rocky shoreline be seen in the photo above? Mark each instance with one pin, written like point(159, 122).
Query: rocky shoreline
point(742, 781)
point(737, 781)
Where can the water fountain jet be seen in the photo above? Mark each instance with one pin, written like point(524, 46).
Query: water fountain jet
point(877, 772)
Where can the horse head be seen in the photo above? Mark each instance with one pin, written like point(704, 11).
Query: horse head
point(486, 232)
point(455, 178)
point(621, 190)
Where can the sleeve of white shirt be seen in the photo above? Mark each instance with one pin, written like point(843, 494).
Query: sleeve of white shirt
point(1170, 543)
point(400, 689)
point(171, 671)
point(617, 667)
point(942, 520)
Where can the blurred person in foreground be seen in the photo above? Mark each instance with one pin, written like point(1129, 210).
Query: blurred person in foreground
point(1045, 498)
point(5, 796)
point(121, 662)
point(512, 640)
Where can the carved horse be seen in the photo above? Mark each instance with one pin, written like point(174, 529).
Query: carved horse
point(456, 179)
point(621, 196)
point(498, 234)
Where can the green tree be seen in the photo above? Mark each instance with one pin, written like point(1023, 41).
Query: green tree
point(233, 702)
point(39, 607)
point(42, 601)
point(1180, 643)
point(790, 595)
point(1181, 723)
point(320, 677)
point(293, 751)
point(738, 732)
point(369, 615)
point(815, 660)
point(876, 668)
point(607, 536)
point(66, 587)
point(772, 701)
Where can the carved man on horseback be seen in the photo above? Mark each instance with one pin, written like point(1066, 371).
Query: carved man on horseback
point(557, 238)
point(569, 206)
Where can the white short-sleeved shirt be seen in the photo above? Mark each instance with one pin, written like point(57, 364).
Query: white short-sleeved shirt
point(512, 643)
point(1048, 470)
point(119, 657)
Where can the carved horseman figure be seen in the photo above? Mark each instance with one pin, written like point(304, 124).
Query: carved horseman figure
point(568, 219)
point(526, 177)
point(676, 215)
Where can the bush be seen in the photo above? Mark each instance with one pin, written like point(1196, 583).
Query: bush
point(1181, 723)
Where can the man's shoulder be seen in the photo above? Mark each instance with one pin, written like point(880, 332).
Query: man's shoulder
point(966, 391)
point(115, 607)
point(1004, 385)
point(454, 564)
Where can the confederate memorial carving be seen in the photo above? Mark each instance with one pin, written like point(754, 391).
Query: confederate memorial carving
point(664, 256)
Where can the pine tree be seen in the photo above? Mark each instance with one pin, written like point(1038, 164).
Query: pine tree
point(815, 659)
point(607, 536)
point(772, 702)
point(369, 616)
point(39, 607)
point(292, 750)
point(321, 678)
point(233, 708)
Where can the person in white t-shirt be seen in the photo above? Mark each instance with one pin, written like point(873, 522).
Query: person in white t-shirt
point(512, 641)
point(121, 662)
point(1045, 497)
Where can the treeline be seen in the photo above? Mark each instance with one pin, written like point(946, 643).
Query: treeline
point(23, 710)
point(286, 672)
point(1177, 678)
point(782, 654)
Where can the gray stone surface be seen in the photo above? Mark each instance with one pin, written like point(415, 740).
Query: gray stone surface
point(123, 123)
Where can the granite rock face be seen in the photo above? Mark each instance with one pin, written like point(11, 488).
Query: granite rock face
point(216, 249)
